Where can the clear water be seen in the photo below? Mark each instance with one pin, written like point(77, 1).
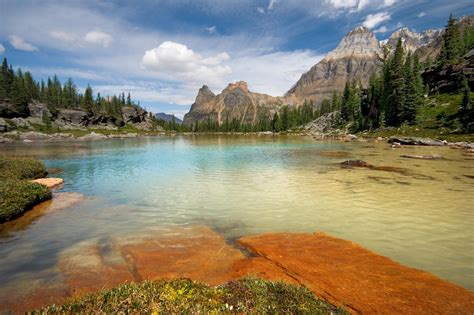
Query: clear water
point(241, 185)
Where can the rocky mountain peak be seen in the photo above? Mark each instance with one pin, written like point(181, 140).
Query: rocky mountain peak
point(412, 40)
point(204, 95)
point(358, 43)
point(242, 85)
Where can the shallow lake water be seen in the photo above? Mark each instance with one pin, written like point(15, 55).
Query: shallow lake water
point(241, 185)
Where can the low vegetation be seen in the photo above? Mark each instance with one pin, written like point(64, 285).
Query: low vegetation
point(244, 296)
point(17, 193)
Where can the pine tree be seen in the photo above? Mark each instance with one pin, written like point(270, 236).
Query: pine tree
point(453, 46)
point(466, 111)
point(345, 110)
point(88, 100)
point(396, 87)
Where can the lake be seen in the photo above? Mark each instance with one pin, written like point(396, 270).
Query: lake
point(242, 185)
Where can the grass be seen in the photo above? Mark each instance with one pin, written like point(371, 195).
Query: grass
point(183, 296)
point(436, 119)
point(17, 193)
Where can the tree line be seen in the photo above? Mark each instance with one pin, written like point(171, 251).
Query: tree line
point(19, 88)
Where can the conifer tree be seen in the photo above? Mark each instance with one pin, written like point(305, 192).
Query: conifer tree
point(396, 86)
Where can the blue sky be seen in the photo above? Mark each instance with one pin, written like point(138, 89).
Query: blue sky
point(163, 51)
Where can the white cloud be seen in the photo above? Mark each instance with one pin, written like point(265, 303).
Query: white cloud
point(62, 36)
point(382, 29)
point(261, 10)
point(98, 37)
point(177, 62)
point(271, 4)
point(422, 14)
point(389, 3)
point(343, 4)
point(211, 29)
point(358, 5)
point(260, 72)
point(19, 43)
point(2, 49)
point(372, 20)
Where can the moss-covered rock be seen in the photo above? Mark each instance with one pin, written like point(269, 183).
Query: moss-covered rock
point(244, 296)
point(17, 193)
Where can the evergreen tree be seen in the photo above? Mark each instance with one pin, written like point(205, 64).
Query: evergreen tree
point(453, 46)
point(335, 101)
point(396, 87)
point(345, 111)
point(411, 92)
point(88, 100)
point(466, 111)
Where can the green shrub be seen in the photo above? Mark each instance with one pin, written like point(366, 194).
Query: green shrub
point(17, 193)
point(21, 168)
point(244, 296)
point(16, 196)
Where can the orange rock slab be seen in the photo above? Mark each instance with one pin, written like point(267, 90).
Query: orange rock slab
point(198, 253)
point(345, 273)
point(50, 182)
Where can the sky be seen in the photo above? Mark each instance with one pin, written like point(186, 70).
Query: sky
point(163, 51)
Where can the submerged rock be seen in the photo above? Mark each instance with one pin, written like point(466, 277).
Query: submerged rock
point(334, 153)
point(423, 157)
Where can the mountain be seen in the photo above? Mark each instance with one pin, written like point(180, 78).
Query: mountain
point(235, 102)
point(412, 40)
point(356, 58)
point(168, 117)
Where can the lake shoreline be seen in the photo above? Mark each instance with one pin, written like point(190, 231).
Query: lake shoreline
point(96, 135)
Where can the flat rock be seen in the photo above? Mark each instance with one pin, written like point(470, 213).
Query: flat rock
point(416, 141)
point(50, 182)
point(198, 253)
point(345, 273)
point(423, 157)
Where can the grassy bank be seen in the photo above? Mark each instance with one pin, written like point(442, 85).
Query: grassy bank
point(244, 296)
point(17, 194)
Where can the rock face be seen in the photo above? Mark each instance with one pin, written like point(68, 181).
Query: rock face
point(235, 102)
point(356, 58)
point(412, 40)
point(9, 110)
point(137, 117)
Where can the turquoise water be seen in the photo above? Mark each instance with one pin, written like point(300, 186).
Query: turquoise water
point(241, 185)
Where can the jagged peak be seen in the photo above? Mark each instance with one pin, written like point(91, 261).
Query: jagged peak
point(359, 29)
point(237, 85)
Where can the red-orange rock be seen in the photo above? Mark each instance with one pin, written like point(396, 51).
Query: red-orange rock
point(198, 253)
point(60, 201)
point(262, 268)
point(345, 273)
point(87, 268)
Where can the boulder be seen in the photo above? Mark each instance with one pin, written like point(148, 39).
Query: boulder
point(72, 118)
point(39, 110)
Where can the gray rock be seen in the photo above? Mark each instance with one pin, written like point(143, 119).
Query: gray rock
point(39, 110)
point(4, 126)
point(93, 136)
point(415, 141)
point(423, 157)
point(68, 118)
